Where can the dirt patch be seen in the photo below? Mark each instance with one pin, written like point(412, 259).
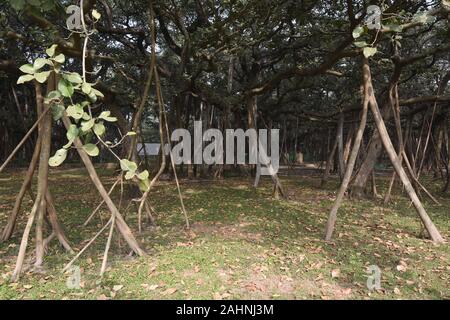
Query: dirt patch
point(261, 286)
point(235, 231)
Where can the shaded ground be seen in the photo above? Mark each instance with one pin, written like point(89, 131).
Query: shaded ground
point(242, 244)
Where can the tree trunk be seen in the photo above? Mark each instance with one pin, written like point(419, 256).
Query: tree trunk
point(368, 90)
point(120, 222)
point(9, 229)
point(340, 139)
point(46, 134)
point(373, 152)
point(387, 143)
point(39, 203)
point(329, 164)
point(348, 144)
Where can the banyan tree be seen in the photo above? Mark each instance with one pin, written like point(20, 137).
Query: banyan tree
point(348, 87)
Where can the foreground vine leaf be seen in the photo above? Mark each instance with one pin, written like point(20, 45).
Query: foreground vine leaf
point(27, 68)
point(25, 78)
point(65, 87)
point(58, 158)
point(91, 149)
point(369, 51)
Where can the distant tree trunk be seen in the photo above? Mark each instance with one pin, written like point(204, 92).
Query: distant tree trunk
point(8, 231)
point(374, 185)
point(393, 100)
point(438, 149)
point(340, 139)
point(187, 119)
point(447, 156)
point(296, 140)
point(251, 122)
point(440, 91)
point(329, 164)
point(373, 152)
point(348, 144)
point(384, 135)
point(251, 113)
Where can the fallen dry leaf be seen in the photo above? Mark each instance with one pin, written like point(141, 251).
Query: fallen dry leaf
point(169, 291)
point(152, 287)
point(347, 291)
point(335, 273)
point(117, 287)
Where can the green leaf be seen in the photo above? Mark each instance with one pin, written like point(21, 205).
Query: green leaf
point(87, 125)
point(96, 14)
point(360, 44)
point(131, 133)
point(47, 5)
point(25, 78)
point(86, 116)
point(60, 58)
point(394, 27)
point(67, 145)
point(127, 165)
point(51, 51)
point(17, 4)
point(86, 88)
point(143, 175)
point(53, 95)
point(39, 63)
point(369, 51)
point(65, 87)
point(57, 111)
point(357, 32)
point(27, 68)
point(92, 96)
point(72, 132)
point(105, 115)
point(41, 77)
point(144, 185)
point(58, 158)
point(129, 175)
point(91, 149)
point(73, 77)
point(97, 93)
point(75, 111)
point(34, 2)
point(423, 17)
point(99, 129)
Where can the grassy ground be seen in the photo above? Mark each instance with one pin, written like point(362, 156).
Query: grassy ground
point(242, 244)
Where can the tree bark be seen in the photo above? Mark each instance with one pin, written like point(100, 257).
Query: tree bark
point(46, 134)
point(387, 143)
point(9, 229)
point(368, 90)
point(340, 139)
point(120, 222)
point(373, 152)
point(329, 164)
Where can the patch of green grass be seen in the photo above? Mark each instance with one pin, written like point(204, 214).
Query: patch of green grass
point(243, 244)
